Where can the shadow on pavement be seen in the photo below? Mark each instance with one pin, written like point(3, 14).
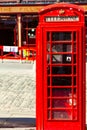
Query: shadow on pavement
point(17, 122)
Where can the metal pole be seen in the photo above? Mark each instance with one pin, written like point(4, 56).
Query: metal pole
point(19, 31)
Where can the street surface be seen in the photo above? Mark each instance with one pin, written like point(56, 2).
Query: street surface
point(17, 94)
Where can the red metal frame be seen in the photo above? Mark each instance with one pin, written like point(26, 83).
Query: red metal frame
point(27, 53)
point(60, 79)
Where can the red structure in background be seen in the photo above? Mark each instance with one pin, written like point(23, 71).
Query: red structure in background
point(60, 79)
point(11, 53)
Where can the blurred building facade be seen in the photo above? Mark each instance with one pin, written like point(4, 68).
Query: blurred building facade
point(19, 19)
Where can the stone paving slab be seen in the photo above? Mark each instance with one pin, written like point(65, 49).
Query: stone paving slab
point(17, 90)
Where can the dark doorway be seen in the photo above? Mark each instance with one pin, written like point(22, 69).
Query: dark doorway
point(7, 30)
point(6, 37)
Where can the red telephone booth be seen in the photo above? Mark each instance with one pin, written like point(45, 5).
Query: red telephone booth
point(60, 78)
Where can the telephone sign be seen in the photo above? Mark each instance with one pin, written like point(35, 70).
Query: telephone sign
point(60, 78)
point(61, 18)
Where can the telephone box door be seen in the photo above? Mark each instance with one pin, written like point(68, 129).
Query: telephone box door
point(62, 85)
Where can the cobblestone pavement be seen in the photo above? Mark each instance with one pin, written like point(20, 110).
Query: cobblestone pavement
point(17, 91)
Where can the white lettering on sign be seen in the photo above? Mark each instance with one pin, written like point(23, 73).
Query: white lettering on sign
point(61, 18)
point(10, 48)
point(14, 49)
point(6, 48)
